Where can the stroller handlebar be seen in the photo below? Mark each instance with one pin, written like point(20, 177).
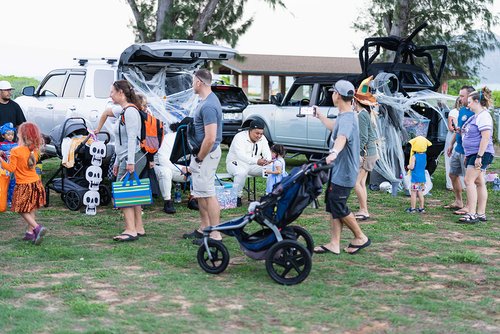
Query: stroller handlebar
point(319, 166)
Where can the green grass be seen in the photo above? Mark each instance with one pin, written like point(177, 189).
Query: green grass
point(422, 274)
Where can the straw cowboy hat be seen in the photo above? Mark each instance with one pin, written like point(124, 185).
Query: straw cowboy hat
point(363, 94)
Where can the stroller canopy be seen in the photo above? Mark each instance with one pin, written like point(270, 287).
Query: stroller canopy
point(71, 128)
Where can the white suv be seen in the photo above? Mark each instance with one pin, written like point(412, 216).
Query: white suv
point(161, 70)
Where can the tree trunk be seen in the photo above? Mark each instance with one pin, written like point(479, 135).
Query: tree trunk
point(200, 25)
point(163, 9)
point(138, 18)
point(400, 19)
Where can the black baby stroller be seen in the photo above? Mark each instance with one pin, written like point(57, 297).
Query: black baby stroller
point(71, 182)
point(287, 249)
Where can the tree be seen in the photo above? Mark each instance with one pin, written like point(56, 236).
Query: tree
point(204, 20)
point(464, 26)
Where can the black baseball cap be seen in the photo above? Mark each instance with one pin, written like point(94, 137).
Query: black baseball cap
point(257, 124)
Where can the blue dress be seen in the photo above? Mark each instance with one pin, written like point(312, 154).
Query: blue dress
point(272, 179)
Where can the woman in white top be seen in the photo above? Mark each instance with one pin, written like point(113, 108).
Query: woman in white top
point(452, 123)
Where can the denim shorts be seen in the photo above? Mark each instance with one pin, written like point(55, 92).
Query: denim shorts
point(486, 160)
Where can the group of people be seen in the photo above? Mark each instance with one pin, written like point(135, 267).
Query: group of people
point(19, 158)
point(470, 151)
point(353, 154)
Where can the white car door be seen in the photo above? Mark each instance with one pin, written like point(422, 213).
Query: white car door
point(317, 133)
point(47, 102)
point(290, 129)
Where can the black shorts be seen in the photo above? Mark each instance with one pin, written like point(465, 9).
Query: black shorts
point(336, 200)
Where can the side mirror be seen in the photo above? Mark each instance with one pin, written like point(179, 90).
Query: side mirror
point(277, 99)
point(28, 91)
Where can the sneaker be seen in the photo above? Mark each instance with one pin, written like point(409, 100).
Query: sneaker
point(193, 204)
point(421, 210)
point(168, 207)
point(39, 232)
point(199, 241)
point(411, 210)
point(29, 236)
point(238, 202)
point(193, 235)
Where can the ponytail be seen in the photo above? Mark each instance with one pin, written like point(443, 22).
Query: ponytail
point(483, 96)
point(129, 92)
point(30, 136)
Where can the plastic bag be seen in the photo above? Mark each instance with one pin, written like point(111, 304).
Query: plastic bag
point(4, 188)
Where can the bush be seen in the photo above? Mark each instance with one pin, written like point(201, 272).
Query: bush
point(18, 83)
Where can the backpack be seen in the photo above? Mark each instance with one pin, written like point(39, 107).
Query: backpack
point(151, 131)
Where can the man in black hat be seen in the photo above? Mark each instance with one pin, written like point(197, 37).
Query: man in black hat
point(249, 151)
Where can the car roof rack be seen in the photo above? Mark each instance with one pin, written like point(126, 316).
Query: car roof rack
point(83, 61)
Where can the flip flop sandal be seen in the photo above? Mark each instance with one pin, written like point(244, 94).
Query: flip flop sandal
point(129, 237)
point(452, 207)
point(359, 247)
point(460, 212)
point(361, 217)
point(324, 250)
point(468, 219)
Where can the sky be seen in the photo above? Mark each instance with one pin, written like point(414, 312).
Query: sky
point(38, 36)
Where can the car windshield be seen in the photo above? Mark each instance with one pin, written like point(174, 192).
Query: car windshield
point(233, 96)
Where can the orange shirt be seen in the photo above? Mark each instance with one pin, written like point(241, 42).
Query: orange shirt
point(19, 165)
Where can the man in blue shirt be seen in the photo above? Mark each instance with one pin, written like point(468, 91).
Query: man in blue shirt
point(457, 167)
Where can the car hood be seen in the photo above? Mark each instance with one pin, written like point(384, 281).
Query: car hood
point(176, 54)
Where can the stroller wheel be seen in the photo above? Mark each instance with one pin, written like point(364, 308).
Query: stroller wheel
point(303, 237)
point(105, 194)
point(220, 257)
point(288, 262)
point(72, 200)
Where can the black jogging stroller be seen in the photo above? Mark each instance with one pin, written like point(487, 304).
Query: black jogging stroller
point(71, 182)
point(286, 249)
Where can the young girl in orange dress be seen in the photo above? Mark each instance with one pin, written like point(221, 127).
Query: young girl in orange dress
point(29, 194)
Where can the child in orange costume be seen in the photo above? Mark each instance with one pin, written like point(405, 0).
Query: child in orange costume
point(29, 194)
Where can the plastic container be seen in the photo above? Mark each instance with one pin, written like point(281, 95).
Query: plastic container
point(226, 195)
point(177, 194)
point(416, 126)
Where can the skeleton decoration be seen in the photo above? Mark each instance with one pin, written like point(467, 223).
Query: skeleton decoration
point(91, 199)
point(93, 174)
point(98, 152)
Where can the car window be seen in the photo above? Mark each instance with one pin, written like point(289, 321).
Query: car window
point(301, 96)
point(74, 85)
point(325, 97)
point(103, 79)
point(53, 86)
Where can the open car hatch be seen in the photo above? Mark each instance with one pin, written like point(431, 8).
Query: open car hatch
point(177, 54)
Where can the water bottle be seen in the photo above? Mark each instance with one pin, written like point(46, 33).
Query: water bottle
point(177, 194)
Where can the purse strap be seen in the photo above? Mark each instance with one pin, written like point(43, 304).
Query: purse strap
point(131, 181)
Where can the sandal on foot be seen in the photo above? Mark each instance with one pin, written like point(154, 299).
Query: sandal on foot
point(128, 237)
point(452, 207)
point(461, 212)
point(482, 217)
point(324, 250)
point(359, 247)
point(360, 216)
point(468, 218)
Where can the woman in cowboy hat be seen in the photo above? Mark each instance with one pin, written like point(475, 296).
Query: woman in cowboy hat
point(367, 141)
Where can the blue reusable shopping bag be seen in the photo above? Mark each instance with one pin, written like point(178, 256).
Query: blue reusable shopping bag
point(131, 191)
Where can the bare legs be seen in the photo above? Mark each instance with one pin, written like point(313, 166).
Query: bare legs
point(29, 218)
point(336, 228)
point(210, 214)
point(457, 191)
point(477, 194)
point(361, 194)
point(133, 222)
